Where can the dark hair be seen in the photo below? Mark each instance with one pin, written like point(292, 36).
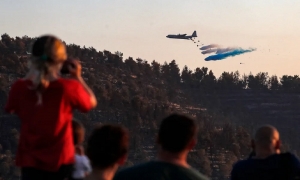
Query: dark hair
point(42, 46)
point(175, 132)
point(78, 132)
point(106, 145)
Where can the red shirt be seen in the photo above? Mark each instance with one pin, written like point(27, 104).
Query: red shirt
point(46, 140)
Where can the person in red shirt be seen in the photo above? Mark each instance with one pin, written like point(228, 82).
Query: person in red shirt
point(44, 102)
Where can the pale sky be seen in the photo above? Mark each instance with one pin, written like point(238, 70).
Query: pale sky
point(138, 28)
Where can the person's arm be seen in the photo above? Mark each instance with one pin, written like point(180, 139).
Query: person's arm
point(76, 74)
point(90, 92)
point(87, 165)
point(12, 99)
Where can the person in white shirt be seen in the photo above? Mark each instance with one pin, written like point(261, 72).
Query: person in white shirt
point(82, 165)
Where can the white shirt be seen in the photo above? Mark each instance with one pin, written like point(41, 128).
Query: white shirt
point(82, 165)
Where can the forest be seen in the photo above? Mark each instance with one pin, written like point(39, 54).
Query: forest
point(138, 94)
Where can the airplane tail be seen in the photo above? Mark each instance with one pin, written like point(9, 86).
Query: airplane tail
point(194, 34)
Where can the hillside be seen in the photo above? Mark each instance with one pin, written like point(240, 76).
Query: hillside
point(138, 94)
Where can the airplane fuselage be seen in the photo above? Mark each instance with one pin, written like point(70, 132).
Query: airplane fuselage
point(182, 36)
point(179, 37)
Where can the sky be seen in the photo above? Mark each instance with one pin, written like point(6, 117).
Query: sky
point(138, 28)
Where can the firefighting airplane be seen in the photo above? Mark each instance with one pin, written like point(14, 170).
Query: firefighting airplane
point(183, 36)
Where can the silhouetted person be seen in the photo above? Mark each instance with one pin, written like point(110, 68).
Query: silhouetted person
point(82, 165)
point(107, 149)
point(176, 137)
point(44, 102)
point(266, 162)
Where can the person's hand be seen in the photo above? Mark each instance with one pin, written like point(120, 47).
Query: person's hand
point(75, 68)
point(79, 149)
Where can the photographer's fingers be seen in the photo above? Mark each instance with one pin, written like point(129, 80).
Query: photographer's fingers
point(75, 68)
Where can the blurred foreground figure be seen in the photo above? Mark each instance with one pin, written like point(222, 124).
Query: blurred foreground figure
point(82, 164)
point(176, 137)
point(266, 162)
point(44, 103)
point(107, 149)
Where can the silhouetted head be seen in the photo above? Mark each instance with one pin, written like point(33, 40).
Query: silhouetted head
point(107, 146)
point(177, 133)
point(266, 140)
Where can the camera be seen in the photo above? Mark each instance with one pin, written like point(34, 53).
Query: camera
point(65, 67)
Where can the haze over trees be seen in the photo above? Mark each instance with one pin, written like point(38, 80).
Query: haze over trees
point(138, 94)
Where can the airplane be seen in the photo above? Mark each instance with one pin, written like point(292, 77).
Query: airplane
point(182, 36)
